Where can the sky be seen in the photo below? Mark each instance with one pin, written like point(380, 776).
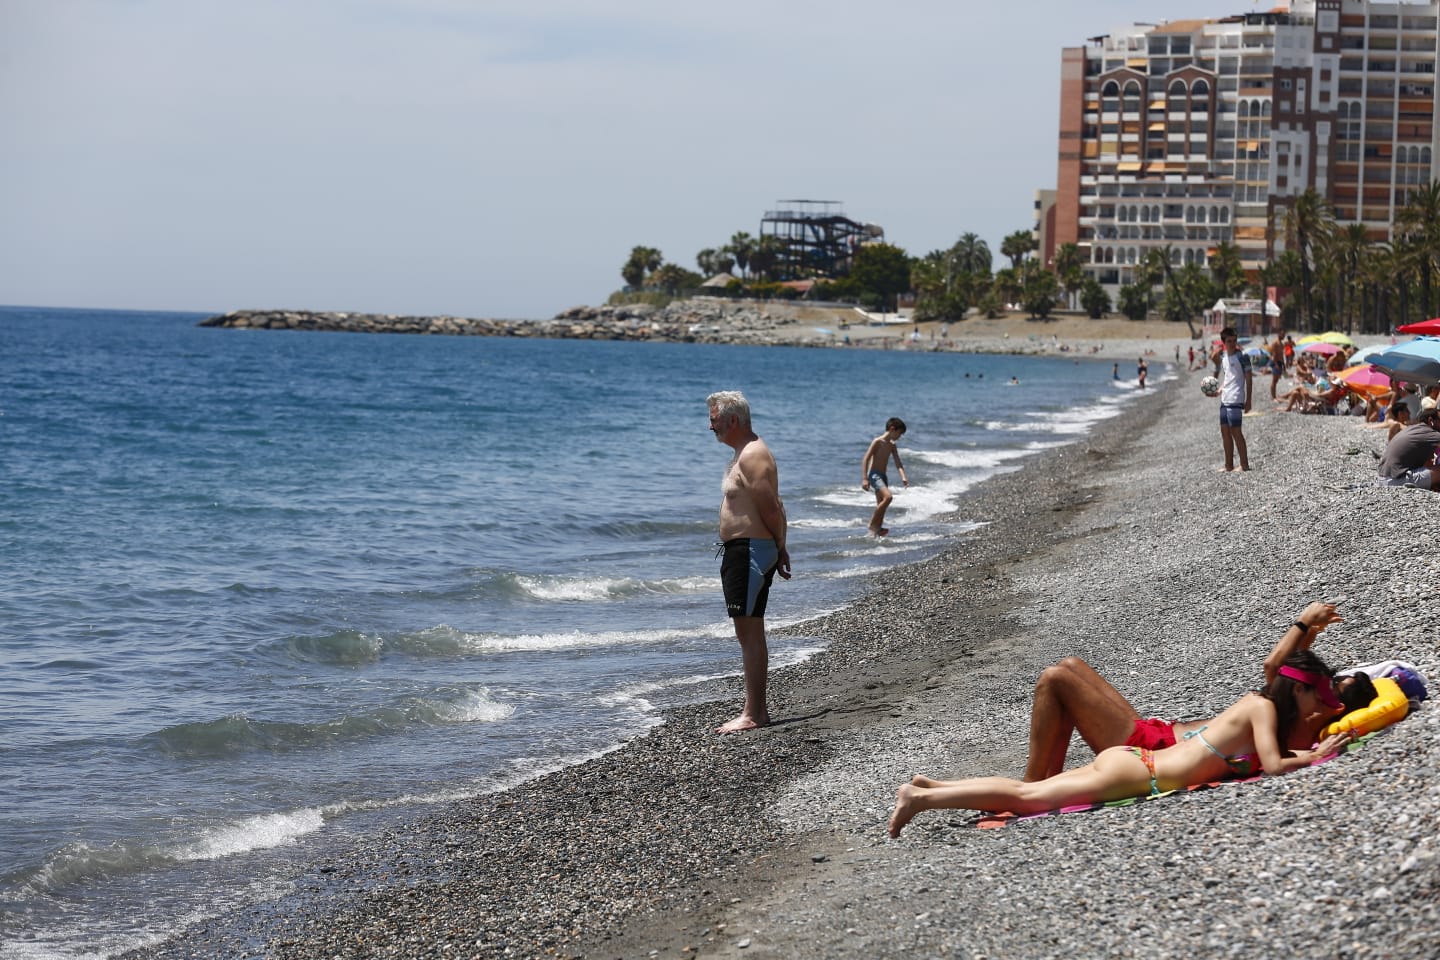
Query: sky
point(500, 158)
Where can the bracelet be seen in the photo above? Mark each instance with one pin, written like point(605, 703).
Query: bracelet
point(1304, 627)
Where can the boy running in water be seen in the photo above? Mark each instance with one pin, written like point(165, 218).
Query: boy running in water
point(872, 471)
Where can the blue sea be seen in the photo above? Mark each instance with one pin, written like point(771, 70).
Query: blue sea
point(263, 590)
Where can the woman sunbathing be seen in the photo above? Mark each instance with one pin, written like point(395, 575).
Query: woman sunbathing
point(1070, 697)
point(1251, 730)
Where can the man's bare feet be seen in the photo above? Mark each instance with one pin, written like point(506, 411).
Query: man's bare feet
point(920, 780)
point(742, 723)
point(904, 809)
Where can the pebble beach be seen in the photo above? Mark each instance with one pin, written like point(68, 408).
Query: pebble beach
point(1129, 548)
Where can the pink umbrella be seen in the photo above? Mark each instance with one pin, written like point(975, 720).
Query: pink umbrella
point(1365, 378)
point(1429, 327)
point(1320, 346)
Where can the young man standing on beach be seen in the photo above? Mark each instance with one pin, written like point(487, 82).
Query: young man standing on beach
point(872, 472)
point(752, 538)
point(1237, 384)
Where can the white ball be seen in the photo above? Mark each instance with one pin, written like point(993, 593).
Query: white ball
point(1210, 387)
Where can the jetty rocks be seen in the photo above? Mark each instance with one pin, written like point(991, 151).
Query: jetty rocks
point(688, 321)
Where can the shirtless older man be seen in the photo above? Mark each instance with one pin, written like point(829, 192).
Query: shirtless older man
point(752, 534)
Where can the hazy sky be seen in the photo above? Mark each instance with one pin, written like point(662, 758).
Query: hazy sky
point(500, 157)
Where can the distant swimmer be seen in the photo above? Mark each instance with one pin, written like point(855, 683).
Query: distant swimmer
point(752, 539)
point(1014, 382)
point(873, 476)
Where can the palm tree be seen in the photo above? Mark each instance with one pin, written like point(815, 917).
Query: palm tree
point(1345, 250)
point(1068, 270)
point(766, 256)
point(643, 261)
point(1226, 269)
point(1307, 223)
point(972, 255)
point(1017, 245)
point(741, 246)
point(1419, 223)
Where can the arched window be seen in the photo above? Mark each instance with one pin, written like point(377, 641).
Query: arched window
point(1132, 97)
point(1224, 214)
point(1265, 109)
point(1244, 110)
point(1200, 90)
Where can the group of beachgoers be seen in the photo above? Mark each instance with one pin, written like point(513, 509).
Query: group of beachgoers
point(1408, 413)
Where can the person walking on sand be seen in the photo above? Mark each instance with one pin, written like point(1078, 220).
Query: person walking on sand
point(752, 540)
point(1277, 362)
point(873, 476)
point(1237, 383)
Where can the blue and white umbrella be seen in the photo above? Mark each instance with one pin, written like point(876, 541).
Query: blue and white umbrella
point(1415, 362)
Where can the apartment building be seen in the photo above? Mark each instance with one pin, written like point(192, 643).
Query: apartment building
point(1192, 133)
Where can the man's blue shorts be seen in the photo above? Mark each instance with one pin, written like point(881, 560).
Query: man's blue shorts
point(878, 480)
point(1232, 414)
point(746, 573)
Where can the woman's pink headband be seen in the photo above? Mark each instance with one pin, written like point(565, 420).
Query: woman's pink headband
point(1315, 681)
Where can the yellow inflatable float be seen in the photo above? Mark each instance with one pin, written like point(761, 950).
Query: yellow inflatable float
point(1388, 706)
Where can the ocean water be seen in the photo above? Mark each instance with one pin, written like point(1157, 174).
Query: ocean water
point(262, 589)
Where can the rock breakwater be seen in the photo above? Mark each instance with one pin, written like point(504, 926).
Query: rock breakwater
point(690, 321)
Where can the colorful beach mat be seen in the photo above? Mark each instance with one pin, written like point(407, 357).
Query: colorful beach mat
point(994, 821)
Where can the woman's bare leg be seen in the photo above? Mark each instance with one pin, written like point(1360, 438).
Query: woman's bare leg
point(1071, 696)
point(1114, 774)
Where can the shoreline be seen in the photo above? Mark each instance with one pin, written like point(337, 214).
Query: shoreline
point(682, 843)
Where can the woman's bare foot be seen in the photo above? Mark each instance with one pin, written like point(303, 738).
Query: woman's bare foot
point(742, 723)
point(905, 809)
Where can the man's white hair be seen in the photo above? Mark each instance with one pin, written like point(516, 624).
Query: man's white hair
point(730, 403)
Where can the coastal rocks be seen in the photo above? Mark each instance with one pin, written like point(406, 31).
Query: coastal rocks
point(337, 322)
point(689, 321)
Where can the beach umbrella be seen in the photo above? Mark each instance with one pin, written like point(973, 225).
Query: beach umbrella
point(1429, 327)
point(1312, 338)
point(1336, 337)
point(1415, 362)
point(1365, 378)
point(1363, 356)
point(1319, 346)
point(1259, 356)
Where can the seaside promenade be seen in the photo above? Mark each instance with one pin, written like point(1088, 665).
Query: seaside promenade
point(1128, 548)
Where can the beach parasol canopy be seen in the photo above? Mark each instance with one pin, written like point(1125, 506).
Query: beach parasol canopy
point(1259, 356)
point(1429, 327)
point(1336, 337)
point(1365, 378)
point(1415, 362)
point(1364, 355)
point(1319, 346)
